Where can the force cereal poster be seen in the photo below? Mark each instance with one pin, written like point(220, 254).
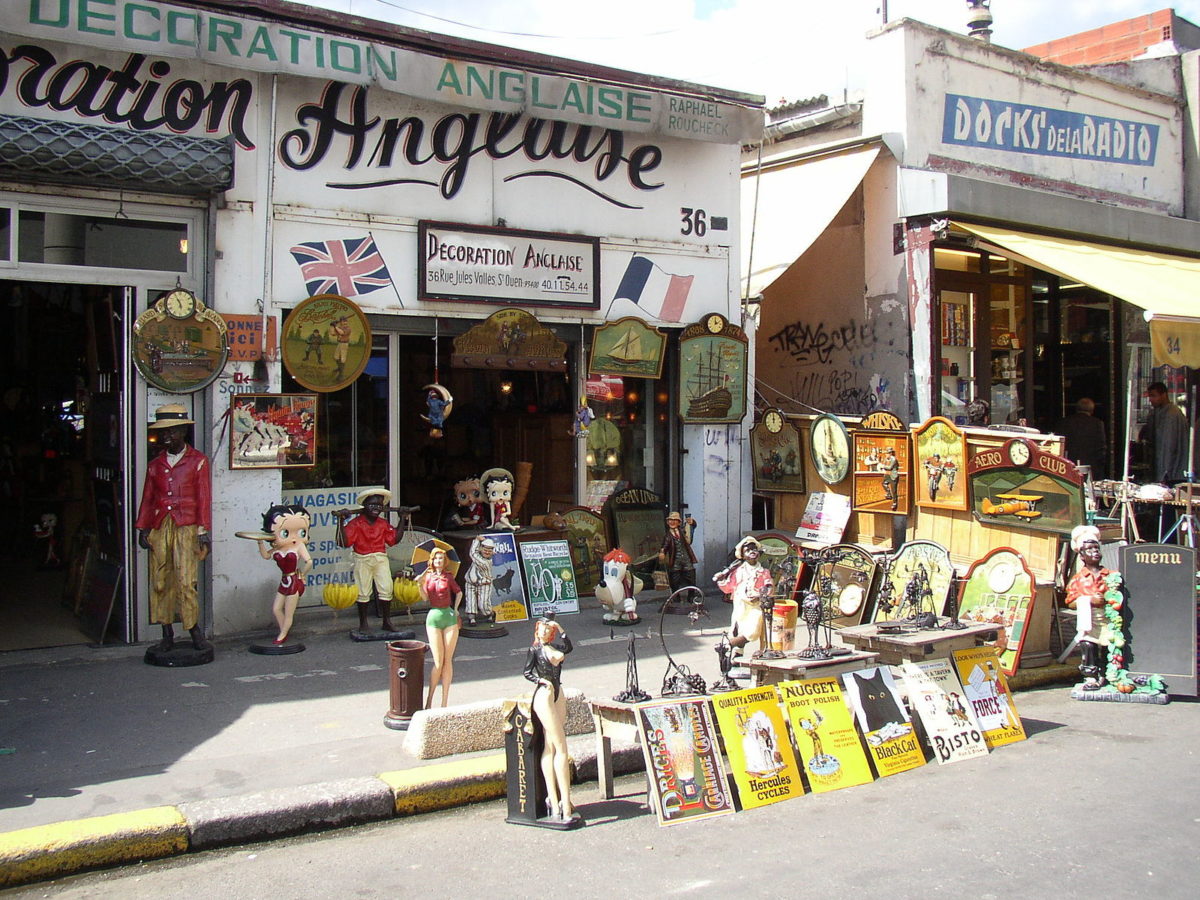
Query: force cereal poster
point(756, 742)
point(987, 690)
point(830, 750)
point(683, 761)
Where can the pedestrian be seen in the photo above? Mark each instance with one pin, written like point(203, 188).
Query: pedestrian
point(1166, 433)
point(1085, 437)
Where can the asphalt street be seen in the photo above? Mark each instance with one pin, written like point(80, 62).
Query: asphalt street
point(1100, 801)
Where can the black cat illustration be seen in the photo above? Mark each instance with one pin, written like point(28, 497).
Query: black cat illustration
point(877, 703)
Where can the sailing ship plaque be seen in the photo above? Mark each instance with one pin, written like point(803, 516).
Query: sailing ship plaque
point(712, 371)
point(628, 347)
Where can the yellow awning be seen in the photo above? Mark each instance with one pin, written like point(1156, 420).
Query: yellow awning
point(1166, 286)
point(795, 204)
point(1161, 283)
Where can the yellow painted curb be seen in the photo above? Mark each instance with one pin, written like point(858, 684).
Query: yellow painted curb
point(446, 785)
point(47, 851)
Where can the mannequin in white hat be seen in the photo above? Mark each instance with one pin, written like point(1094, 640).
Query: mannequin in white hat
point(1085, 593)
point(173, 522)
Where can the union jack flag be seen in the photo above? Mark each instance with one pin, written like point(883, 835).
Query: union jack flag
point(347, 267)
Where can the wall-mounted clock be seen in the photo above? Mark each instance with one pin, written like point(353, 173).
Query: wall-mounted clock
point(715, 323)
point(1019, 453)
point(179, 344)
point(773, 421)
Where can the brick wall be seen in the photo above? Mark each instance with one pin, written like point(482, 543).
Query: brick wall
point(1118, 42)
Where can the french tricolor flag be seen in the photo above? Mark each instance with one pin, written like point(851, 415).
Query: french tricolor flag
point(658, 294)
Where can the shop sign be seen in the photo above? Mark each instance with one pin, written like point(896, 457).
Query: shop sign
point(249, 44)
point(1020, 486)
point(250, 337)
point(938, 699)
point(830, 749)
point(628, 348)
point(991, 700)
point(510, 339)
point(885, 724)
point(683, 761)
point(1021, 128)
point(505, 266)
point(549, 576)
point(713, 359)
point(999, 589)
point(756, 740)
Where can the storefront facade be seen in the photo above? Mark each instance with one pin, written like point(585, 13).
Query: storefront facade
point(996, 223)
point(343, 146)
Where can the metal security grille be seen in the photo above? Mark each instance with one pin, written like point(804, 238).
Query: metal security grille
point(91, 155)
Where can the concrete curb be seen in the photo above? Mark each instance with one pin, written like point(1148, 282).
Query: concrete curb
point(64, 848)
point(68, 848)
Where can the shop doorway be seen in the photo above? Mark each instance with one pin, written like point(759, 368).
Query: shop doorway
point(61, 445)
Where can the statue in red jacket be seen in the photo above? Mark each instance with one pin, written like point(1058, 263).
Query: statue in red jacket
point(173, 523)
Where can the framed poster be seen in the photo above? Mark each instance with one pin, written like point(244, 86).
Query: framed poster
point(775, 447)
point(508, 590)
point(918, 580)
point(587, 537)
point(272, 431)
point(549, 575)
point(844, 581)
point(829, 448)
point(1000, 589)
point(882, 472)
point(940, 450)
point(760, 753)
point(937, 697)
point(825, 517)
point(713, 361)
point(987, 691)
point(326, 343)
point(683, 761)
point(883, 720)
point(830, 750)
point(1019, 486)
point(639, 519)
point(628, 347)
point(179, 344)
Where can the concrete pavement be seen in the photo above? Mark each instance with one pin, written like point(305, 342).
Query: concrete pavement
point(109, 761)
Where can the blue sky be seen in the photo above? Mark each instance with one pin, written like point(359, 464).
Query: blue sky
point(783, 49)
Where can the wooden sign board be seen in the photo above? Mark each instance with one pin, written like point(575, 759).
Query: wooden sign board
point(683, 761)
point(778, 456)
point(1160, 613)
point(1000, 589)
point(549, 575)
point(940, 463)
point(918, 581)
point(629, 348)
point(760, 753)
point(510, 339)
point(587, 536)
point(639, 519)
point(882, 472)
point(846, 583)
point(1019, 486)
point(713, 362)
point(273, 431)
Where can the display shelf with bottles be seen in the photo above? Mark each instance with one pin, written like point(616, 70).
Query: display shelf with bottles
point(1007, 327)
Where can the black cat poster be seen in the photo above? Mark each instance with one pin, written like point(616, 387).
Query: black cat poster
point(880, 714)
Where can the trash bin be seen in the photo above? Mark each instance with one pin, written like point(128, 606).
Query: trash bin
point(406, 665)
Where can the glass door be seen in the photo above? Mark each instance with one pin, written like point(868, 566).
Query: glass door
point(957, 371)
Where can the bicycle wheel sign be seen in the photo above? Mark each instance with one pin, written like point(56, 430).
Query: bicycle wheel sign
point(550, 584)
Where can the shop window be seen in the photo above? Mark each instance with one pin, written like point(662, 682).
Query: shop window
point(627, 440)
point(953, 260)
point(102, 241)
point(352, 429)
point(5, 233)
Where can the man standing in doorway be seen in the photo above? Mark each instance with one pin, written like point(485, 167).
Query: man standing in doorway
point(1167, 435)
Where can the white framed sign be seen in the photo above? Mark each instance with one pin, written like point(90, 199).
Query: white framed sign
point(479, 264)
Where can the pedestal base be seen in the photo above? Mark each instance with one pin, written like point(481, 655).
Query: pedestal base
point(179, 656)
point(397, 723)
point(576, 821)
point(273, 649)
point(483, 630)
point(621, 620)
point(1108, 695)
point(357, 635)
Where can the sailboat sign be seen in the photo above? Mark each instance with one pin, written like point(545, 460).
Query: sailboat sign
point(628, 347)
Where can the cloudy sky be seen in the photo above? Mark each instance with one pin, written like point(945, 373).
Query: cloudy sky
point(782, 49)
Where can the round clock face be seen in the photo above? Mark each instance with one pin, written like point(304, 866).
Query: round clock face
point(180, 304)
point(715, 323)
point(1018, 453)
point(773, 421)
point(850, 599)
point(1002, 577)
